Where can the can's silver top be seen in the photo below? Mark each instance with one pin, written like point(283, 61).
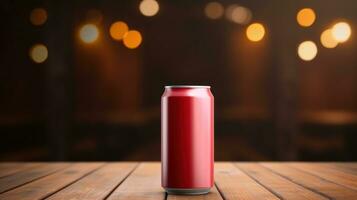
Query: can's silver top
point(187, 86)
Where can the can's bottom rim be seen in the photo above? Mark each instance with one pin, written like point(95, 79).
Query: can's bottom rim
point(182, 191)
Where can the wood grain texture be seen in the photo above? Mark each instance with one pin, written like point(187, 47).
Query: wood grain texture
point(346, 167)
point(43, 187)
point(312, 182)
point(337, 176)
point(11, 168)
point(28, 175)
point(282, 187)
point(212, 195)
point(98, 184)
point(143, 183)
point(234, 184)
point(130, 180)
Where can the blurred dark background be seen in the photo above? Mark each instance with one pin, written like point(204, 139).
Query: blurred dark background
point(82, 80)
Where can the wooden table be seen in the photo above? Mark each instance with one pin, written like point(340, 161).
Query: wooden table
point(131, 180)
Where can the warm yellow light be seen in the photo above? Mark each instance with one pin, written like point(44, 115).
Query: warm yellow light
point(149, 7)
point(214, 10)
point(306, 17)
point(38, 53)
point(38, 16)
point(255, 32)
point(132, 39)
point(238, 14)
point(341, 31)
point(89, 33)
point(307, 50)
point(327, 39)
point(118, 30)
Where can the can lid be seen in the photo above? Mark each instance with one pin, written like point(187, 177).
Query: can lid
point(187, 86)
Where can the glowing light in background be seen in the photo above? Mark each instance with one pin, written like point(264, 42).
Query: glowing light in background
point(38, 53)
point(149, 7)
point(132, 39)
point(118, 30)
point(307, 50)
point(255, 32)
point(229, 11)
point(327, 39)
point(214, 10)
point(38, 16)
point(306, 17)
point(238, 14)
point(341, 31)
point(89, 33)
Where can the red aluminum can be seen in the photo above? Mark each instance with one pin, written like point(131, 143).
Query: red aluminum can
point(187, 136)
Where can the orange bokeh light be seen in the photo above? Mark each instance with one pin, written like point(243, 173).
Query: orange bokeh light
point(38, 16)
point(132, 39)
point(118, 30)
point(306, 17)
point(255, 32)
point(214, 10)
point(327, 39)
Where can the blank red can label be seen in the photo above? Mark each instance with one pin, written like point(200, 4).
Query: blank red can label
point(187, 139)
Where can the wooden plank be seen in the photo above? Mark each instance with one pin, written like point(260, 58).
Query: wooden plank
point(143, 183)
point(212, 195)
point(11, 168)
point(283, 188)
point(346, 167)
point(43, 187)
point(234, 184)
point(352, 166)
point(97, 185)
point(337, 176)
point(25, 176)
point(312, 182)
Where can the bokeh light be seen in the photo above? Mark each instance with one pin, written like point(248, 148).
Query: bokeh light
point(118, 30)
point(38, 16)
point(89, 33)
point(255, 32)
point(306, 17)
point(38, 53)
point(327, 39)
point(214, 10)
point(149, 7)
point(238, 14)
point(229, 10)
point(341, 31)
point(132, 39)
point(307, 50)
